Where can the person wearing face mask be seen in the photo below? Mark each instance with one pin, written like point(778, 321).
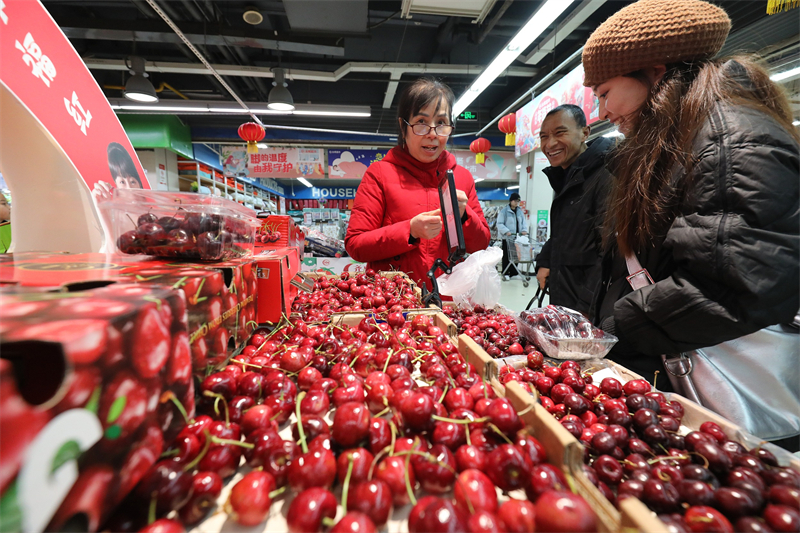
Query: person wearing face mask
point(510, 222)
point(570, 260)
point(396, 223)
point(703, 224)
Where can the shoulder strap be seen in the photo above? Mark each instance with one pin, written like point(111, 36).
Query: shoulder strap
point(638, 277)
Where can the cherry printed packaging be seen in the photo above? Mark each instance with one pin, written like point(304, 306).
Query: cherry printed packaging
point(275, 270)
point(90, 387)
point(220, 297)
point(279, 231)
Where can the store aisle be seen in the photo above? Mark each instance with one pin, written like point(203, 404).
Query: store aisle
point(515, 296)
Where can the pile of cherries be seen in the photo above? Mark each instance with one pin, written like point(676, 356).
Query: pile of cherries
point(368, 291)
point(701, 481)
point(267, 235)
point(493, 331)
point(188, 235)
point(410, 422)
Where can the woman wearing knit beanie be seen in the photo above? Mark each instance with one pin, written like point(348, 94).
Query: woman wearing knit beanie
point(706, 190)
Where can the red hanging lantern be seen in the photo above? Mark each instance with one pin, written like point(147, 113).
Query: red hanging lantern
point(252, 133)
point(480, 146)
point(508, 125)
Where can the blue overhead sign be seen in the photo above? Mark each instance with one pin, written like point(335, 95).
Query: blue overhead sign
point(328, 193)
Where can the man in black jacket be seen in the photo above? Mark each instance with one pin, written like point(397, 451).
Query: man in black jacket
point(571, 259)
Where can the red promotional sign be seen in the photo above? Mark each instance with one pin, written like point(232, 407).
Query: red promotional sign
point(39, 66)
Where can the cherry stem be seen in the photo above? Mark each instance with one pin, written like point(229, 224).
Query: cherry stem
point(240, 362)
point(300, 422)
point(526, 410)
point(219, 397)
point(382, 412)
point(278, 492)
point(497, 430)
point(655, 377)
point(408, 480)
point(571, 483)
point(170, 396)
point(446, 388)
point(328, 522)
point(218, 440)
point(386, 364)
point(196, 460)
point(346, 485)
point(462, 420)
point(469, 439)
point(151, 511)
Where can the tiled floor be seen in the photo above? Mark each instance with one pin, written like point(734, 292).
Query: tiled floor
point(515, 296)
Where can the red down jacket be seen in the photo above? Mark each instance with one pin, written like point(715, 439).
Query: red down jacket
point(392, 192)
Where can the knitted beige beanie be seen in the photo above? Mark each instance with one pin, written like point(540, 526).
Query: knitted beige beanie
point(653, 32)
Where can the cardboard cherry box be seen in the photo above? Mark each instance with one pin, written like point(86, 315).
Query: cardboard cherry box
point(279, 231)
point(275, 270)
point(86, 386)
point(220, 296)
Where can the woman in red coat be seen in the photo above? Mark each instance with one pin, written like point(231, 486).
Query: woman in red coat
point(396, 223)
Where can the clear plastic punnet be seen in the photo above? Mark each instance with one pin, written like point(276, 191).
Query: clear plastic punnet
point(180, 225)
point(563, 333)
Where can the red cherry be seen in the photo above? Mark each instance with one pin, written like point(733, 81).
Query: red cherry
point(308, 509)
point(475, 486)
point(562, 512)
point(249, 501)
point(150, 347)
point(373, 498)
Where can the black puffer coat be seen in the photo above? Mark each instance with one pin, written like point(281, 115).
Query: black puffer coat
point(730, 262)
point(573, 252)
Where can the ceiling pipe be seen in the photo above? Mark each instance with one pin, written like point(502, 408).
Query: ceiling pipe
point(202, 59)
point(488, 28)
point(563, 30)
point(311, 75)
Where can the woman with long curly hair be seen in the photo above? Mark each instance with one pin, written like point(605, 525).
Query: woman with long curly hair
point(703, 218)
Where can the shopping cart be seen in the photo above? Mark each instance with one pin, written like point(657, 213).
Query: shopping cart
point(519, 255)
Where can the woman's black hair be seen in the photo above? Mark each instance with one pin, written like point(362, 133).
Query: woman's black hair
point(419, 94)
point(120, 163)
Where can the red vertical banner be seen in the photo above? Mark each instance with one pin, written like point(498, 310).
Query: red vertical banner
point(39, 66)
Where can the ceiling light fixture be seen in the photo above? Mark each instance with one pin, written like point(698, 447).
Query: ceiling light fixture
point(252, 16)
point(232, 108)
point(786, 74)
point(305, 182)
point(513, 187)
point(478, 179)
point(280, 99)
point(138, 88)
point(535, 26)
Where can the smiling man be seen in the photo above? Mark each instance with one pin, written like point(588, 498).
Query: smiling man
point(570, 259)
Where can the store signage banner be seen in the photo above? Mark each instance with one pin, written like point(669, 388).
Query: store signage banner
point(273, 162)
point(567, 90)
point(287, 163)
point(352, 164)
point(498, 165)
point(45, 73)
point(316, 193)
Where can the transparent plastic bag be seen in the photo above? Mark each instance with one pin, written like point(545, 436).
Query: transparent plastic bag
point(475, 281)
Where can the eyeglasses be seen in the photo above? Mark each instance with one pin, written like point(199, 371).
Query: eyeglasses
point(442, 130)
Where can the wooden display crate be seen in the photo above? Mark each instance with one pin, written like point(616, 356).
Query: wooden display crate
point(563, 452)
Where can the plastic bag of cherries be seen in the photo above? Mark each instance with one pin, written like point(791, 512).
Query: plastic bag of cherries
point(563, 333)
point(180, 225)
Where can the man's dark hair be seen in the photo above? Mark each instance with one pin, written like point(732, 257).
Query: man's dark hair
point(572, 110)
point(120, 163)
point(419, 94)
